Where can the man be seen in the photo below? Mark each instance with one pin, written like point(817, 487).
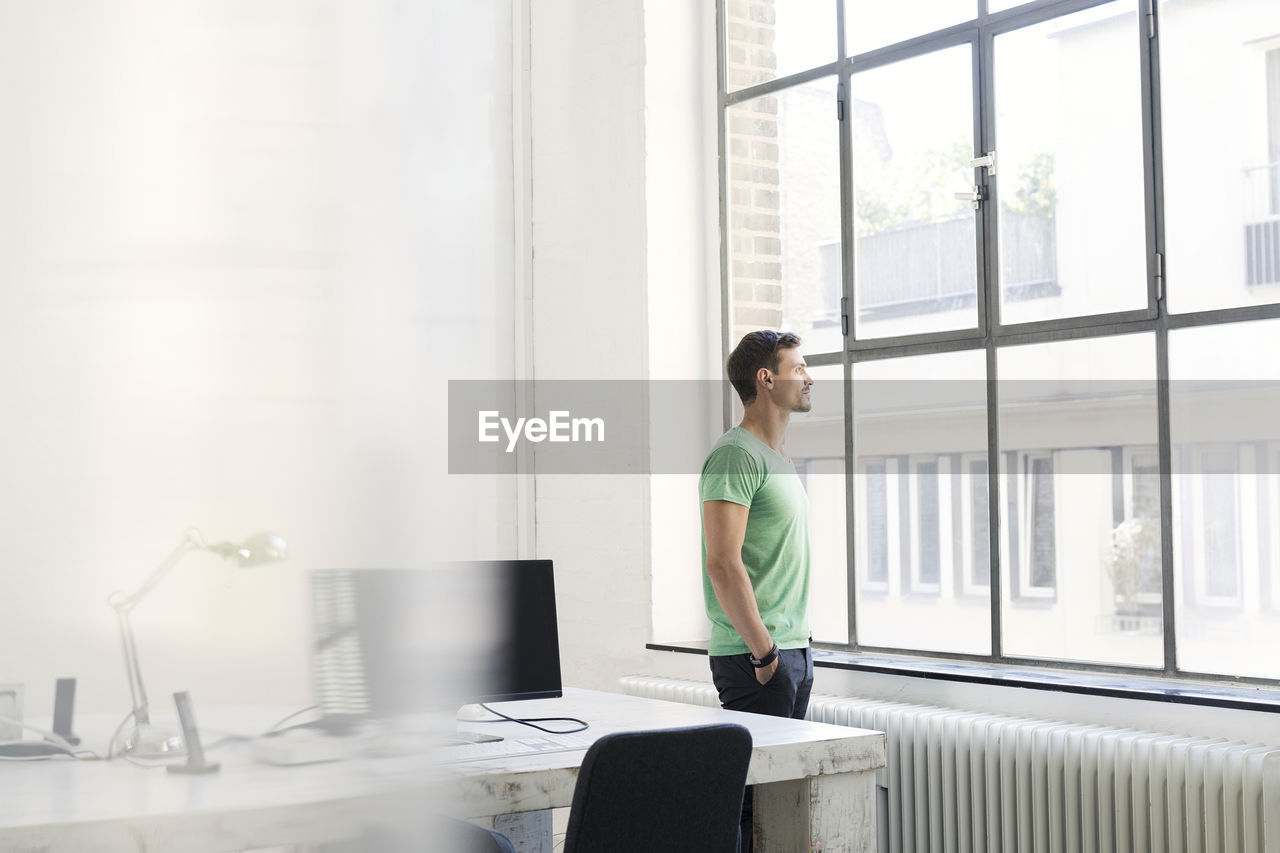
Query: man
point(755, 542)
point(755, 537)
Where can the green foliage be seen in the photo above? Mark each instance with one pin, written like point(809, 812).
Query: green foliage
point(893, 193)
point(898, 192)
point(1034, 194)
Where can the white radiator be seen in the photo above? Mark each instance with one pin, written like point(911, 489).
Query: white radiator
point(967, 781)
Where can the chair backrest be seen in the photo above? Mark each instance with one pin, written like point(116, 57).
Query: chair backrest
point(661, 790)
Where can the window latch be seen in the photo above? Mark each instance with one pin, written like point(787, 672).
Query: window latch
point(976, 197)
point(987, 161)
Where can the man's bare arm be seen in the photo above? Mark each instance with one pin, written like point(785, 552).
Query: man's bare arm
point(725, 525)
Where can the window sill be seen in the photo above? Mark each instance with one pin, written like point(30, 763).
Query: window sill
point(1241, 697)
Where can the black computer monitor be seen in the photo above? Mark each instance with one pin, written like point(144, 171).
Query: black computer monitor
point(398, 642)
point(528, 657)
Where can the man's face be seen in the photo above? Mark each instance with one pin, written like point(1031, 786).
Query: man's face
point(791, 382)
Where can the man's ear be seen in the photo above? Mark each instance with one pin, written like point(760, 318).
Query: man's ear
point(766, 378)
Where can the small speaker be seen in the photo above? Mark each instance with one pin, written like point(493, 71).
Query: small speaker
point(64, 702)
point(191, 736)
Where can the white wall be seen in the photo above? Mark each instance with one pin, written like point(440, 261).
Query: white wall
point(625, 283)
point(683, 259)
point(242, 249)
point(589, 308)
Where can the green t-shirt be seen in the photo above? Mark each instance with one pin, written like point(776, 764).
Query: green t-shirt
point(744, 470)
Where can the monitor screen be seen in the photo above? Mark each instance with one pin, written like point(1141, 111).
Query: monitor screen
point(395, 642)
point(527, 664)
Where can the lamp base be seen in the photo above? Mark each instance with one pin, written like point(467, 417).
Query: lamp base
point(150, 741)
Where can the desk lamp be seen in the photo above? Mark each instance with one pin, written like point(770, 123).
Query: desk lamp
point(144, 739)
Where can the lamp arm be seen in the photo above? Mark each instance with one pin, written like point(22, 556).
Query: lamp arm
point(137, 691)
point(191, 541)
point(123, 604)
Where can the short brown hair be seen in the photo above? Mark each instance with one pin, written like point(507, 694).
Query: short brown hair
point(754, 351)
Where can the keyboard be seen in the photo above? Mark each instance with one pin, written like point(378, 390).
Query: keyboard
point(510, 746)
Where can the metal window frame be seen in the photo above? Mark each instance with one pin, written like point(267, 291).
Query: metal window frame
point(990, 335)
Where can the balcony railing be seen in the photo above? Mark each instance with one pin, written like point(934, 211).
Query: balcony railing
point(1262, 224)
point(925, 267)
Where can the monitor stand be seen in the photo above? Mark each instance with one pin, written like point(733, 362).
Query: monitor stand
point(475, 714)
point(472, 714)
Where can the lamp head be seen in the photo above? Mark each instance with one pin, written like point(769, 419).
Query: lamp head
point(257, 550)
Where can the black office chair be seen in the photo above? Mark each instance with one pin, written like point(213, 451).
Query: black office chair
point(661, 791)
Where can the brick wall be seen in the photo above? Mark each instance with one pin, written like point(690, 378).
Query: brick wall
point(755, 250)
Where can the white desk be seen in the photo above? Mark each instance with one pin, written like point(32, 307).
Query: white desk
point(816, 788)
point(816, 781)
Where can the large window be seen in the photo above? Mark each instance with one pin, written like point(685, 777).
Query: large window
point(1040, 271)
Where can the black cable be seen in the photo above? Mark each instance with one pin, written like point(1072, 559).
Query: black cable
point(530, 721)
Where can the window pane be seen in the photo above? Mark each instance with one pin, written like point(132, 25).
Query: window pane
point(784, 214)
point(915, 257)
point(1069, 178)
point(767, 39)
point(873, 23)
point(919, 426)
point(815, 441)
point(1220, 114)
point(1070, 413)
point(1224, 406)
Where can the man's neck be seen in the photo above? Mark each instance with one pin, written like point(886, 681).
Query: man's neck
point(769, 424)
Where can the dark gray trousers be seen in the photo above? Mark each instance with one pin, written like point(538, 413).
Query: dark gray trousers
point(785, 695)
